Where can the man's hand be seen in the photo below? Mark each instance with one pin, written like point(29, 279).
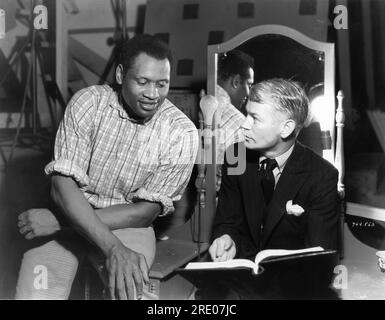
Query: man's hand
point(37, 223)
point(222, 248)
point(125, 268)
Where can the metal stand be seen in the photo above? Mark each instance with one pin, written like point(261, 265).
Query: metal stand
point(35, 44)
point(120, 13)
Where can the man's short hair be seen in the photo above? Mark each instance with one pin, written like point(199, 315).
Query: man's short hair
point(234, 62)
point(143, 43)
point(285, 95)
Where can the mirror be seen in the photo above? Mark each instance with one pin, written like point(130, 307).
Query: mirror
point(279, 51)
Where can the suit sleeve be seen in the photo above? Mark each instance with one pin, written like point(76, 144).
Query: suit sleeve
point(230, 215)
point(322, 224)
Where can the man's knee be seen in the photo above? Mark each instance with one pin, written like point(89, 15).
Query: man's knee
point(46, 272)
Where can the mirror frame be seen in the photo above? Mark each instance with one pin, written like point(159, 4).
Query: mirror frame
point(329, 68)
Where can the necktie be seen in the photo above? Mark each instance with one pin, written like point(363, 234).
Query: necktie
point(268, 181)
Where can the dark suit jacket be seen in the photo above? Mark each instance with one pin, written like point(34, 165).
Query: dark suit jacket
point(307, 179)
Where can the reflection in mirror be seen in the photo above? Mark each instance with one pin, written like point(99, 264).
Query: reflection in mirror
point(278, 56)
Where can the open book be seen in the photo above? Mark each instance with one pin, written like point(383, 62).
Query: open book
point(244, 263)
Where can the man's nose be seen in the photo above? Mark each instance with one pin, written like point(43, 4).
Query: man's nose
point(151, 91)
point(247, 124)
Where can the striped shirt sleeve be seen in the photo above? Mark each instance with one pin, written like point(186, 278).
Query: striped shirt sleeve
point(73, 140)
point(231, 122)
point(167, 184)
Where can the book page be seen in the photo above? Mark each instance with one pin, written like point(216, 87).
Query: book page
point(281, 252)
point(236, 263)
point(224, 264)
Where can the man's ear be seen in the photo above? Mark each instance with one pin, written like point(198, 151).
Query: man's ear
point(236, 81)
point(288, 128)
point(119, 74)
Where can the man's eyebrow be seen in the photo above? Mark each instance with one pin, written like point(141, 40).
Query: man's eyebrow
point(147, 79)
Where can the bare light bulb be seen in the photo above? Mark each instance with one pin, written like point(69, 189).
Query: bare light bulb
point(208, 105)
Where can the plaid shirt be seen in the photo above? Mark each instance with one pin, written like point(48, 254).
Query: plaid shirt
point(230, 123)
point(116, 160)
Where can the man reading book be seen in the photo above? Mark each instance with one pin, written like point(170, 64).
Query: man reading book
point(287, 196)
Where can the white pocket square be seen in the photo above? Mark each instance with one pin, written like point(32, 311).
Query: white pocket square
point(294, 209)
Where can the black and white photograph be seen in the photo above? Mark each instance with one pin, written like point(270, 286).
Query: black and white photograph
point(205, 151)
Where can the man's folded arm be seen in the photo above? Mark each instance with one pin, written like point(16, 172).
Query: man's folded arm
point(134, 215)
point(157, 194)
point(67, 196)
point(140, 214)
point(154, 198)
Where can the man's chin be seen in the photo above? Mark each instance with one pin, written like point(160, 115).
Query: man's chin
point(148, 113)
point(148, 108)
point(250, 145)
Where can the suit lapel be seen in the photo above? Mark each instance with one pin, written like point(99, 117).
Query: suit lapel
point(293, 177)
